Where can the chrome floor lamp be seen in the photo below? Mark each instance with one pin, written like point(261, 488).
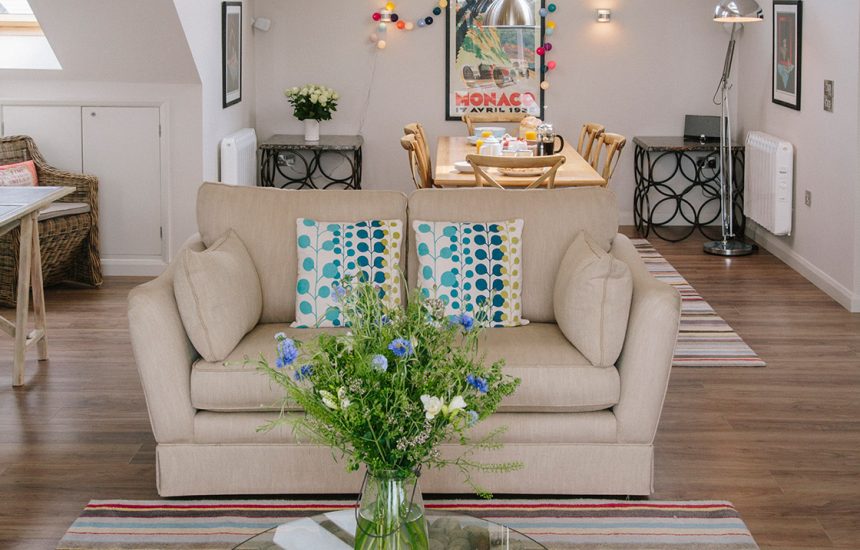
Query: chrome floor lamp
point(735, 12)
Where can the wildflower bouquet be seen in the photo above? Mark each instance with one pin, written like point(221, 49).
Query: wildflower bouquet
point(388, 392)
point(312, 101)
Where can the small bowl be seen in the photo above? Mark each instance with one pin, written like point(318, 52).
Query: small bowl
point(497, 131)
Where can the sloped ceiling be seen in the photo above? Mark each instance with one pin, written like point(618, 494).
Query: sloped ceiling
point(115, 41)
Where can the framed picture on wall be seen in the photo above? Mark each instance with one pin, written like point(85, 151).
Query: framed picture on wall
point(491, 65)
point(231, 52)
point(787, 52)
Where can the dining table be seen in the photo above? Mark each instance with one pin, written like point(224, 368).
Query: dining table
point(575, 172)
point(19, 207)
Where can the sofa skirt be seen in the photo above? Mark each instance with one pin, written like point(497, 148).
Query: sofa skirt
point(549, 469)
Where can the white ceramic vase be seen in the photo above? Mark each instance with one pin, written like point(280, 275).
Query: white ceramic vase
point(312, 129)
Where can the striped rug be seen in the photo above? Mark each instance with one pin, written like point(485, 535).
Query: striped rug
point(705, 339)
point(557, 524)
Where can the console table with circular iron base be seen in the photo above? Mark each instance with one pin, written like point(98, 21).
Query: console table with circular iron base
point(290, 161)
point(698, 162)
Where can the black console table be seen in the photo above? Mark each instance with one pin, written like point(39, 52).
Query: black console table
point(306, 170)
point(699, 163)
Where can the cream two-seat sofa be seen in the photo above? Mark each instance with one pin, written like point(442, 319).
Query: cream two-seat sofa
point(578, 429)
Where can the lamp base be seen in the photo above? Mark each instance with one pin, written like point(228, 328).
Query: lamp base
point(729, 248)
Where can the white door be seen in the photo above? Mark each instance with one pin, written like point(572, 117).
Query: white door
point(56, 129)
point(122, 147)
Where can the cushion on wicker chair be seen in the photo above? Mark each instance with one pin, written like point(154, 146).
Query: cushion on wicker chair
point(19, 174)
point(59, 209)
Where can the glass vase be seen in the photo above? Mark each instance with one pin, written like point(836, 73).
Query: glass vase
point(390, 514)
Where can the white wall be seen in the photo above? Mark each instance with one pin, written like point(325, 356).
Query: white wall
point(201, 21)
point(657, 61)
point(825, 242)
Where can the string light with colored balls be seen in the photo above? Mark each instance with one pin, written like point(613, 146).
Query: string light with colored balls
point(546, 47)
point(387, 15)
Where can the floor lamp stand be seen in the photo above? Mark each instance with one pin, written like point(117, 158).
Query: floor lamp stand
point(729, 246)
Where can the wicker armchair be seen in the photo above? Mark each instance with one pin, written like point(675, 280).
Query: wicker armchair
point(69, 243)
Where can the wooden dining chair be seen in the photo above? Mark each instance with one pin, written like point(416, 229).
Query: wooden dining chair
point(589, 134)
point(419, 162)
point(482, 119)
point(480, 163)
point(607, 153)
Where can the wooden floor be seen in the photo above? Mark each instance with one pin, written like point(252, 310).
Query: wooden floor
point(782, 442)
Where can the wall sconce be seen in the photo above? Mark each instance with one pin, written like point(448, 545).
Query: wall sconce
point(262, 24)
point(604, 16)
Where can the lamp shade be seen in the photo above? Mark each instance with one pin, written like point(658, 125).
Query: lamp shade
point(509, 13)
point(738, 11)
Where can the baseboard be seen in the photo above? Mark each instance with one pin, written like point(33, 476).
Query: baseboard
point(133, 267)
point(833, 288)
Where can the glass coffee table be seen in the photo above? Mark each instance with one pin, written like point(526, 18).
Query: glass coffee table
point(336, 531)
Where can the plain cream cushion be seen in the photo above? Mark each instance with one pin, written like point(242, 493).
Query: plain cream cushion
point(218, 295)
point(592, 298)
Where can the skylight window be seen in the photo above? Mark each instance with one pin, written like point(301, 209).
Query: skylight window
point(23, 45)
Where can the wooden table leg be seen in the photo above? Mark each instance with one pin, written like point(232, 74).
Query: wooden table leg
point(38, 296)
point(25, 257)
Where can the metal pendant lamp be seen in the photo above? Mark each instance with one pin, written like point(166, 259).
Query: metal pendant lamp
point(735, 12)
point(509, 13)
point(738, 11)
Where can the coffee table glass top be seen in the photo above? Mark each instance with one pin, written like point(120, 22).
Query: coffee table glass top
point(336, 530)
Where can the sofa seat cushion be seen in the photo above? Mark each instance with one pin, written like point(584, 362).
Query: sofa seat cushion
point(555, 376)
point(60, 209)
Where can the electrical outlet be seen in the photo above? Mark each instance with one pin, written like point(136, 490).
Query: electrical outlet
point(828, 96)
point(807, 198)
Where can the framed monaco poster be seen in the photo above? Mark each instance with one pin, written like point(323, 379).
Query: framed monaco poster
point(787, 52)
point(491, 63)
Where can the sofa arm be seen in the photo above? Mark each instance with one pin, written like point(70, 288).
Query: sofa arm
point(164, 355)
point(649, 346)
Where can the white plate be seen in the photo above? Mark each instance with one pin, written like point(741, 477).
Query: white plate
point(473, 140)
point(463, 167)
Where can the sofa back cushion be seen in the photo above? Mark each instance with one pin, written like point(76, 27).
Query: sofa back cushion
point(551, 220)
point(265, 220)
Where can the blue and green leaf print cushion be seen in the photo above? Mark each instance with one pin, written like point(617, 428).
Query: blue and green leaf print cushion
point(474, 268)
point(330, 251)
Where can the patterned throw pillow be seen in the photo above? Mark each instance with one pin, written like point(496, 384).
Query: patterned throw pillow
point(474, 268)
point(330, 251)
point(20, 174)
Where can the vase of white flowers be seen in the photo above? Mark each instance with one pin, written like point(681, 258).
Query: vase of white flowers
point(386, 394)
point(311, 104)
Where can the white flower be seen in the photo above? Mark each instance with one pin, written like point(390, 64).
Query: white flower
point(432, 406)
point(344, 400)
point(313, 99)
point(456, 404)
point(304, 91)
point(280, 336)
point(323, 100)
point(328, 400)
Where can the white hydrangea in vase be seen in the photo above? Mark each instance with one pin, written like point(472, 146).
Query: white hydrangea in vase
point(311, 104)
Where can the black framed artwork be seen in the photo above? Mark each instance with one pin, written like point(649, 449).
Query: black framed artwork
point(492, 69)
point(787, 52)
point(231, 52)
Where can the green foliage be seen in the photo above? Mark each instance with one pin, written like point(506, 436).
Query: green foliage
point(392, 414)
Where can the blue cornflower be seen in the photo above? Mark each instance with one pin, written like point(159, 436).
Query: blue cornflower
point(478, 383)
point(385, 320)
point(466, 321)
point(339, 292)
point(401, 347)
point(379, 362)
point(471, 418)
point(303, 372)
point(287, 353)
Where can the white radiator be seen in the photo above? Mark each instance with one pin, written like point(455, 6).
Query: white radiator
point(769, 182)
point(239, 158)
